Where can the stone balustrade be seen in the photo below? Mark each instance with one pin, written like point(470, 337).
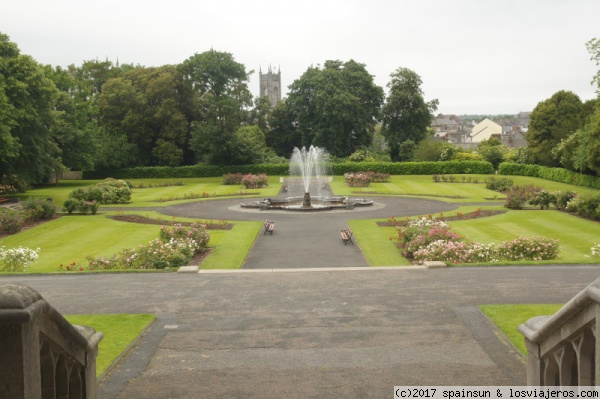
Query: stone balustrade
point(42, 355)
point(561, 349)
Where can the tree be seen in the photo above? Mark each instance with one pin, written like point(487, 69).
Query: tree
point(283, 136)
point(335, 107)
point(405, 114)
point(220, 88)
point(27, 153)
point(593, 47)
point(144, 104)
point(551, 121)
point(493, 151)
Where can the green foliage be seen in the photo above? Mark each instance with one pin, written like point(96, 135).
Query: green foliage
point(551, 121)
point(467, 156)
point(361, 155)
point(405, 114)
point(529, 248)
point(519, 195)
point(81, 206)
point(499, 184)
point(108, 191)
point(11, 221)
point(543, 198)
point(334, 107)
point(38, 209)
point(231, 179)
point(218, 86)
point(28, 153)
point(554, 174)
point(432, 151)
point(392, 168)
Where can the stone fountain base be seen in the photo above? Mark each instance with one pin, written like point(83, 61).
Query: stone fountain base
point(315, 204)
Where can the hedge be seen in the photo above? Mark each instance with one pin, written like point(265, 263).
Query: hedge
point(393, 168)
point(554, 174)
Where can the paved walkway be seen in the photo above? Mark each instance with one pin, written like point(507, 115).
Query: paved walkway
point(307, 239)
point(297, 334)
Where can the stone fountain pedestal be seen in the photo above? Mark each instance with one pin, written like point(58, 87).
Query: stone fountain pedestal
point(306, 202)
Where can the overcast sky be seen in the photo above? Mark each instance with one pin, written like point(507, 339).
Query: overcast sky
point(475, 56)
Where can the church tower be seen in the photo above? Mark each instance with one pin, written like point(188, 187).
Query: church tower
point(270, 86)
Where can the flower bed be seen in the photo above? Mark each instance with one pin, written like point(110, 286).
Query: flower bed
point(431, 239)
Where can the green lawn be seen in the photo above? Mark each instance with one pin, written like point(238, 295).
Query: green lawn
point(508, 317)
point(231, 246)
point(119, 330)
point(172, 194)
point(424, 186)
point(576, 235)
point(72, 238)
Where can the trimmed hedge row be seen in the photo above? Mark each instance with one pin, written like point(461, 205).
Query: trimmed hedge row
point(338, 169)
point(554, 174)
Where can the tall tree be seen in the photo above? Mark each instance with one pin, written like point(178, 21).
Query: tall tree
point(405, 115)
point(336, 107)
point(220, 88)
point(553, 120)
point(144, 105)
point(282, 135)
point(27, 153)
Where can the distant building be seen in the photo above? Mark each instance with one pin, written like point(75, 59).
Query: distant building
point(449, 128)
point(484, 130)
point(270, 85)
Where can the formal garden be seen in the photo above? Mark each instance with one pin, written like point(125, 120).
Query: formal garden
point(529, 220)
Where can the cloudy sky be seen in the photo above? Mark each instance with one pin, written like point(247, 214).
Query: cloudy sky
point(475, 56)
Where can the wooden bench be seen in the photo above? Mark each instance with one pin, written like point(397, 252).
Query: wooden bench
point(269, 227)
point(347, 236)
point(3, 199)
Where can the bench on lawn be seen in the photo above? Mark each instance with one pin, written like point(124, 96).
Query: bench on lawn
point(269, 227)
point(347, 236)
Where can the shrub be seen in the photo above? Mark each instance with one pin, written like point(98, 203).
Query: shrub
point(16, 259)
point(175, 247)
point(357, 179)
point(589, 206)
point(554, 174)
point(255, 181)
point(108, 191)
point(596, 250)
point(231, 179)
point(519, 195)
point(543, 198)
point(529, 248)
point(432, 235)
point(457, 252)
point(39, 209)
point(407, 231)
point(563, 198)
point(11, 221)
point(81, 206)
point(499, 184)
point(194, 232)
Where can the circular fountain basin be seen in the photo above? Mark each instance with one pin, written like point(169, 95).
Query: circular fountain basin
point(317, 203)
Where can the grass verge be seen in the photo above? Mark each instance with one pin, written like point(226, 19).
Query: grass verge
point(508, 317)
point(119, 330)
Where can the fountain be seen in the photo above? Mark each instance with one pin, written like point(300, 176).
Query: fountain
point(307, 186)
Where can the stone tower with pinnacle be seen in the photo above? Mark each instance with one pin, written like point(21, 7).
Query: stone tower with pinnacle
point(270, 85)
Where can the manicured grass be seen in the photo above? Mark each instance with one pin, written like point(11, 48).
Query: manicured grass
point(119, 331)
point(375, 243)
point(508, 317)
point(231, 246)
point(72, 238)
point(576, 235)
point(192, 190)
point(424, 186)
